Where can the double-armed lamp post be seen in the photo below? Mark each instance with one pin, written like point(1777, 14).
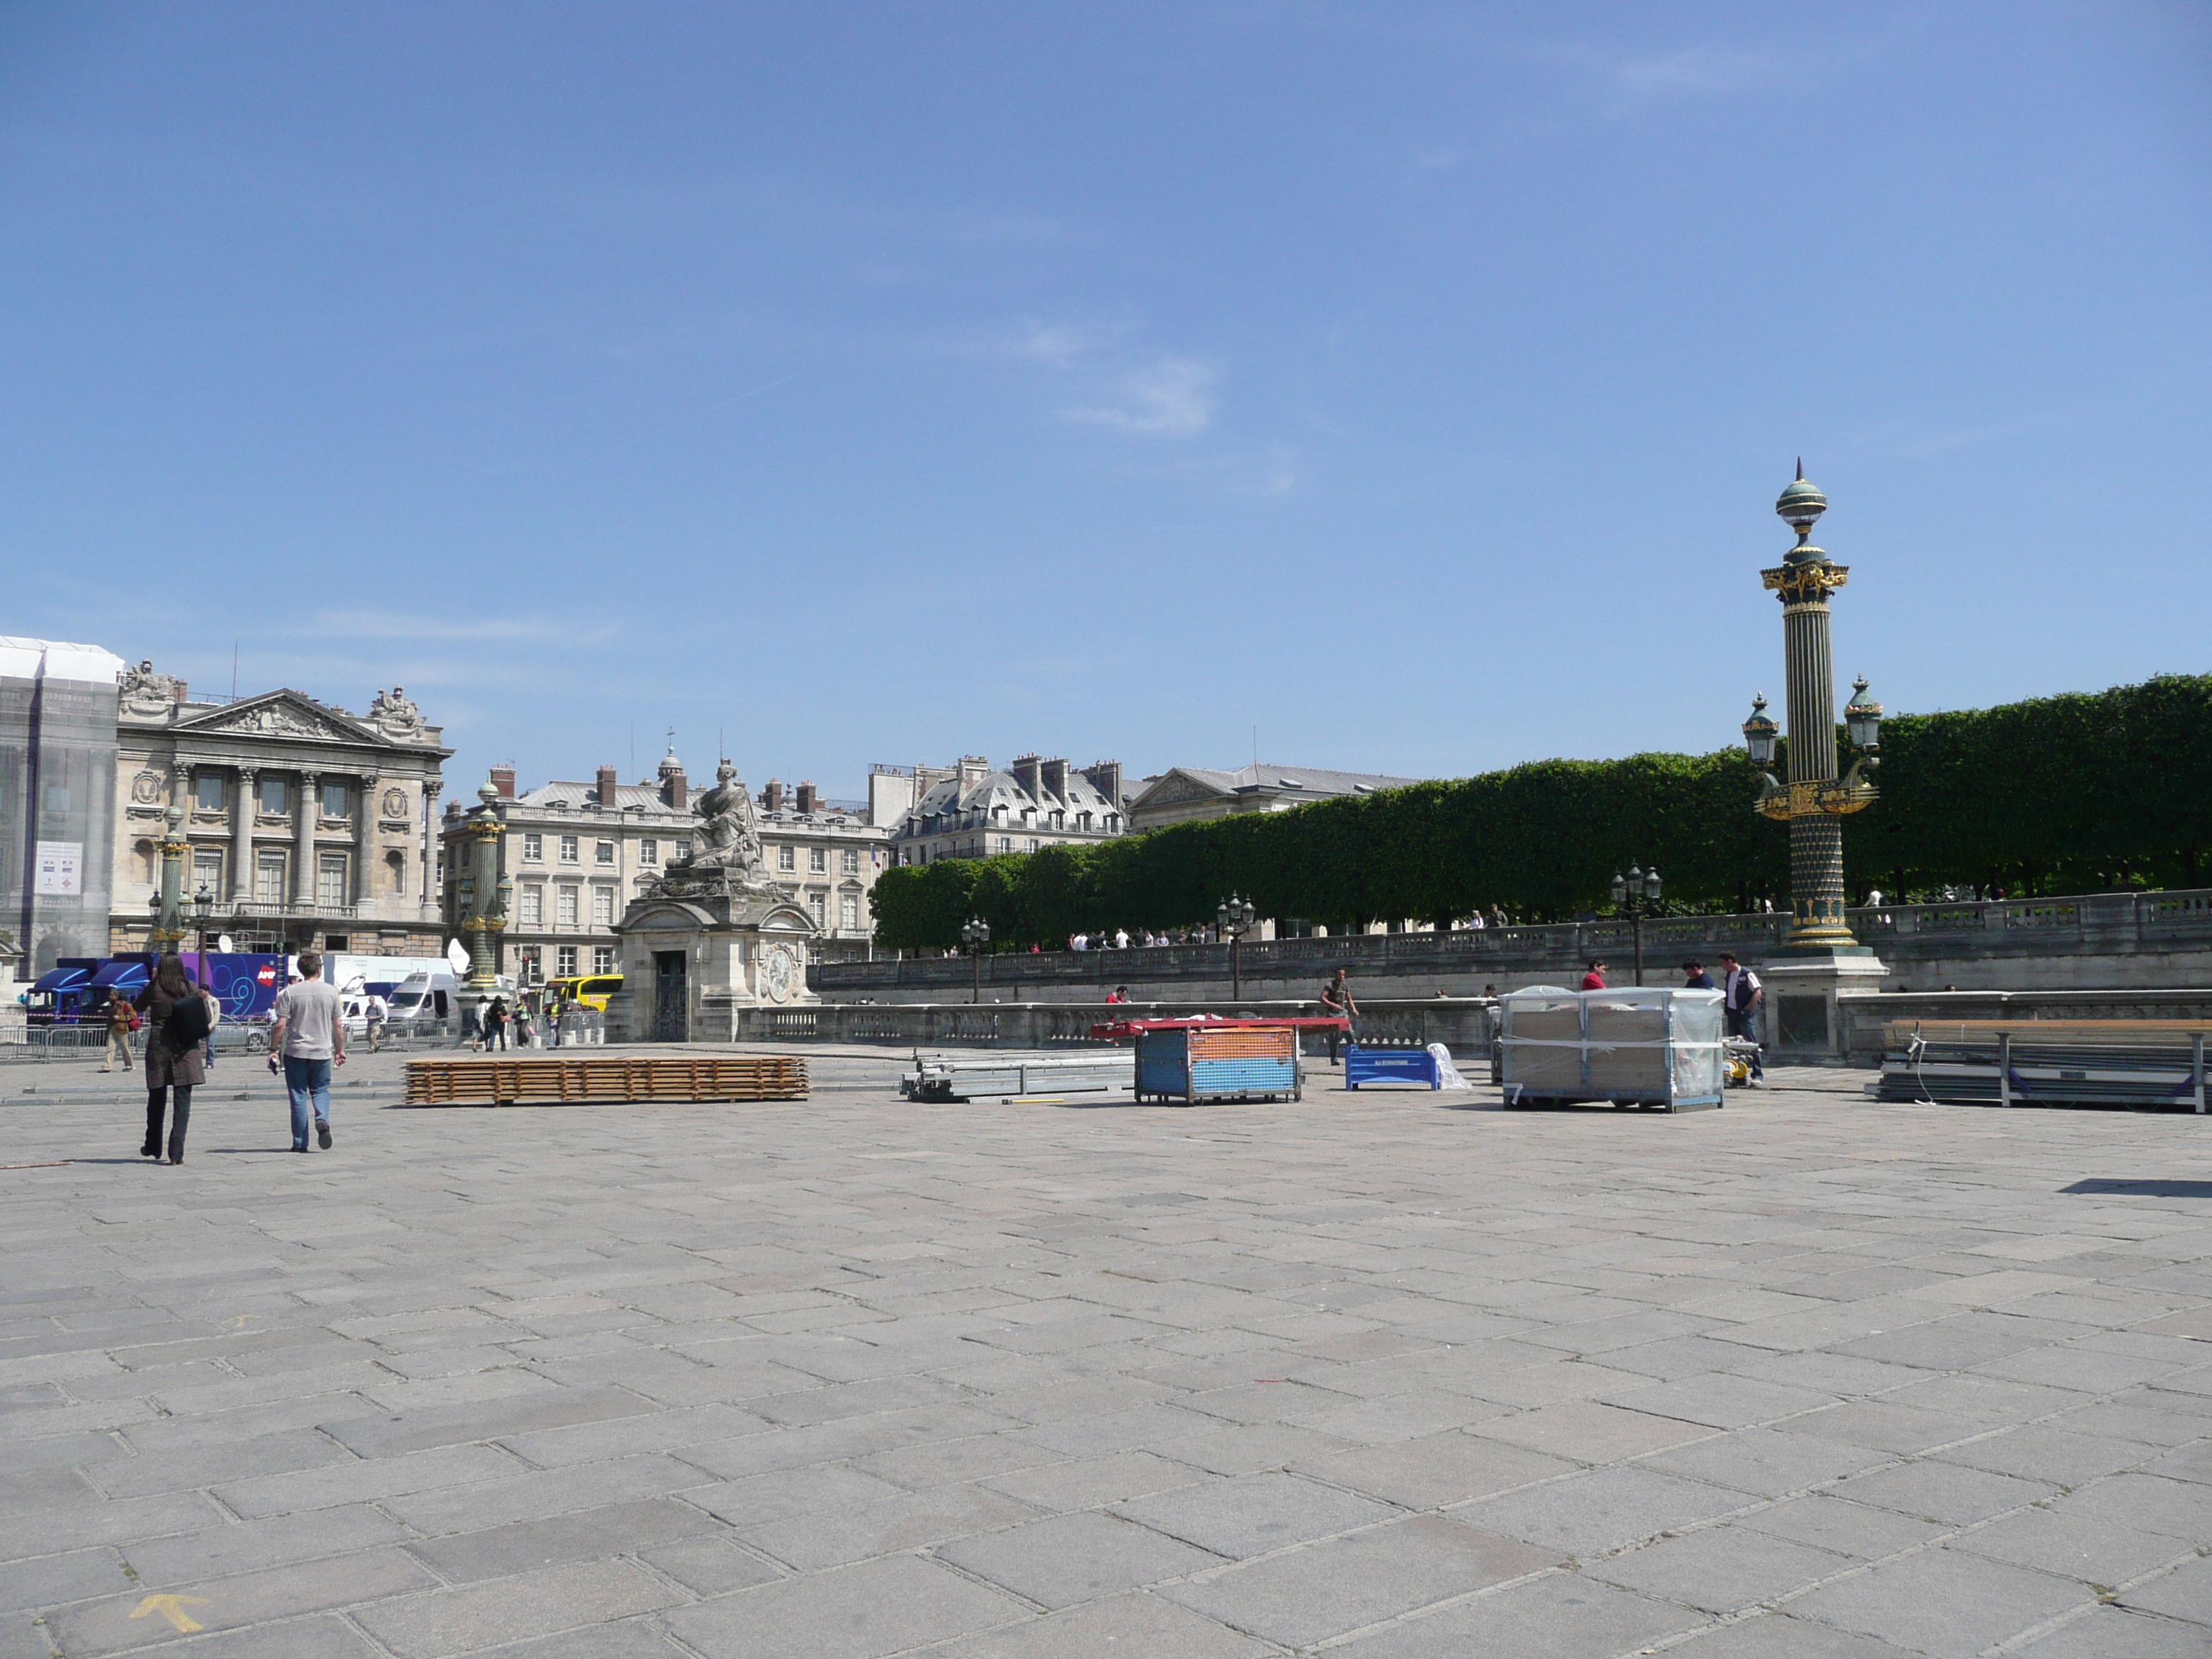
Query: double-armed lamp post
point(1814, 801)
point(1635, 892)
point(1233, 918)
point(974, 939)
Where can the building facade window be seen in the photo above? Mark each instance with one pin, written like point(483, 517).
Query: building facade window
point(683, 848)
point(1005, 843)
point(603, 853)
point(602, 906)
point(331, 880)
point(269, 877)
point(849, 860)
point(207, 870)
point(276, 796)
point(568, 849)
point(817, 906)
point(848, 910)
point(786, 858)
point(648, 851)
point(603, 958)
point(564, 961)
point(817, 860)
point(533, 849)
point(335, 796)
point(1034, 844)
point(533, 904)
point(564, 908)
point(207, 791)
point(533, 964)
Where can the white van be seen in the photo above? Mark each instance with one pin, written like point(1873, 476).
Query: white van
point(423, 1000)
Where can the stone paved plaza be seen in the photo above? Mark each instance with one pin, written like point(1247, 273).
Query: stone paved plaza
point(1388, 1375)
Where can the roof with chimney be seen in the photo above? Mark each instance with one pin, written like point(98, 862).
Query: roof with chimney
point(948, 805)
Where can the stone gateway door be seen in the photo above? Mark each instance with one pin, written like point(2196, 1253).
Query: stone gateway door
point(672, 998)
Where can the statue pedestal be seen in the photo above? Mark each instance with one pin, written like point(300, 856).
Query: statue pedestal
point(703, 946)
point(1804, 1026)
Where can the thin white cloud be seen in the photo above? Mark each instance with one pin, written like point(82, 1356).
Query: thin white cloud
point(1171, 399)
point(1702, 69)
point(397, 625)
point(1057, 343)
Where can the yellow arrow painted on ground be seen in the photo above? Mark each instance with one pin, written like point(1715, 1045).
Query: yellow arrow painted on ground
point(172, 1608)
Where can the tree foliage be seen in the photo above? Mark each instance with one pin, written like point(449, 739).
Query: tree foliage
point(2063, 793)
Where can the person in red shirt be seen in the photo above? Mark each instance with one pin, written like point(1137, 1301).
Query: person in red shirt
point(1595, 980)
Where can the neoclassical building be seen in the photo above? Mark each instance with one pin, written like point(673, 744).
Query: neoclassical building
point(308, 826)
point(578, 852)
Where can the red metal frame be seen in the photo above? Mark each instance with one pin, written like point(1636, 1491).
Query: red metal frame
point(1121, 1030)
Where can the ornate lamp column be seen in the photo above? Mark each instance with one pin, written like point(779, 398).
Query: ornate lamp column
point(167, 932)
point(1820, 955)
point(488, 891)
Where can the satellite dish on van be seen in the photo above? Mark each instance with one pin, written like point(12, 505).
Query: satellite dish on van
point(222, 944)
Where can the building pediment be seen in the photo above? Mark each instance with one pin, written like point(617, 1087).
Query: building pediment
point(1176, 785)
point(281, 714)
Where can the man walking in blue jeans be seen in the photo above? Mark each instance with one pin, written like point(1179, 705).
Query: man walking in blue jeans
point(309, 1036)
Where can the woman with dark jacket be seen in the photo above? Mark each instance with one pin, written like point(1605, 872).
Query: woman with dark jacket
point(172, 1052)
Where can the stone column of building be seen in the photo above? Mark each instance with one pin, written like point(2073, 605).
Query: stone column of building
point(241, 837)
point(364, 840)
point(303, 840)
point(431, 789)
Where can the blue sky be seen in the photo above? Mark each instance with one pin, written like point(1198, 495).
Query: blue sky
point(886, 382)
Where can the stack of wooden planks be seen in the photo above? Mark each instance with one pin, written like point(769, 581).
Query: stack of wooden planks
point(480, 1081)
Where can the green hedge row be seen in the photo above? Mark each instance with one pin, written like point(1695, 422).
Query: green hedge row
point(2065, 793)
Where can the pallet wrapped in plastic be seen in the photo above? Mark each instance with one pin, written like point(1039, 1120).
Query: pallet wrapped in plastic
point(1645, 1047)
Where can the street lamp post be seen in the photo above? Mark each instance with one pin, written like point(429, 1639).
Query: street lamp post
point(202, 909)
point(1636, 891)
point(483, 893)
point(1819, 958)
point(1234, 917)
point(1814, 802)
point(167, 932)
point(975, 939)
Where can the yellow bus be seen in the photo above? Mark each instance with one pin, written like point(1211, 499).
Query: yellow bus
point(591, 990)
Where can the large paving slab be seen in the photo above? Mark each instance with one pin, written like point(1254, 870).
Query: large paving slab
point(1392, 1373)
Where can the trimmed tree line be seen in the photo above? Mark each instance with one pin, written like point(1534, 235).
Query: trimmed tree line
point(2072, 793)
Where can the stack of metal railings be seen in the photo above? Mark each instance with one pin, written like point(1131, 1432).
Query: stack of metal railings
point(1009, 1077)
point(479, 1081)
point(2157, 1063)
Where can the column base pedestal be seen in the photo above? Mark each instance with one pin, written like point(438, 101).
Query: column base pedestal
point(1804, 1026)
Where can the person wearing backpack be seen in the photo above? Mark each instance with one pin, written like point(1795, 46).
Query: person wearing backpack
point(309, 1038)
point(178, 1024)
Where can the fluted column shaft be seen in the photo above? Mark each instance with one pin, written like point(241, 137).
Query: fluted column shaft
point(1816, 840)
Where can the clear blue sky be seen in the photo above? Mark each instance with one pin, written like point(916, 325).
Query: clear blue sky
point(885, 382)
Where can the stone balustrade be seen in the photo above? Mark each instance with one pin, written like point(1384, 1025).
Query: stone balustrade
point(2094, 941)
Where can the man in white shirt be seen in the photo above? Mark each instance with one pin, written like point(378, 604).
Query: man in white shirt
point(309, 1037)
point(1742, 995)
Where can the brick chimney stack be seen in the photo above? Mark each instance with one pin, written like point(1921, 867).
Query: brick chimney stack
point(808, 801)
point(772, 797)
point(502, 779)
point(608, 778)
point(1055, 778)
point(180, 692)
point(1106, 778)
point(1028, 772)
